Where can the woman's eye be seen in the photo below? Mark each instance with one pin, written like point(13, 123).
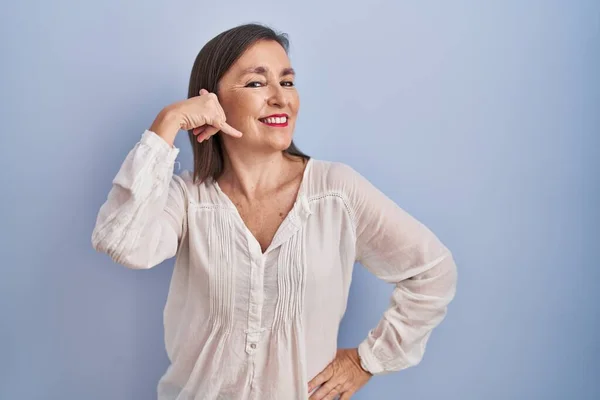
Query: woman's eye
point(287, 83)
point(254, 84)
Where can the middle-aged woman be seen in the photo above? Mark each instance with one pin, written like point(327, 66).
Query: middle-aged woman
point(265, 240)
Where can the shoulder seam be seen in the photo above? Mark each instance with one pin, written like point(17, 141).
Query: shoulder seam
point(340, 196)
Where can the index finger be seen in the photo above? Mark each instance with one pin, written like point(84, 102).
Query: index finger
point(231, 131)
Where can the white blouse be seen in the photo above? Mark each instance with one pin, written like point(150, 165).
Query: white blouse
point(243, 324)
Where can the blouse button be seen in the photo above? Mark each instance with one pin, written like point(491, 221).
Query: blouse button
point(253, 345)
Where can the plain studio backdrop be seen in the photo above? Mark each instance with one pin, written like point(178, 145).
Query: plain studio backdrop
point(481, 120)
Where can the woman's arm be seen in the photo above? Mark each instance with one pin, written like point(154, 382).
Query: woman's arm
point(400, 250)
point(142, 220)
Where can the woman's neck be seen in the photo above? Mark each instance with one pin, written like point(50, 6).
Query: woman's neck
point(252, 175)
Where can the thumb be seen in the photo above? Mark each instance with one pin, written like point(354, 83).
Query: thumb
point(203, 92)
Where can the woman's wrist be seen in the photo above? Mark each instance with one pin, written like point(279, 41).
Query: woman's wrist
point(362, 363)
point(166, 125)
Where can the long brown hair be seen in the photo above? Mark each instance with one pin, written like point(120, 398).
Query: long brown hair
point(212, 62)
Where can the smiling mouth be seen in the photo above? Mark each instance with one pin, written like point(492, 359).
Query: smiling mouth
point(275, 120)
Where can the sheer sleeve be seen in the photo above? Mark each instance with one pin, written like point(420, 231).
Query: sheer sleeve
point(142, 220)
point(400, 250)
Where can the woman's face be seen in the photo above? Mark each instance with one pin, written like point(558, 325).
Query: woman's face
point(259, 98)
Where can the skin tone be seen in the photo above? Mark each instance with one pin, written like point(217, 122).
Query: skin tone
point(258, 177)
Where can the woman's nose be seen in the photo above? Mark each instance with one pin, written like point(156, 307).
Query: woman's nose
point(277, 97)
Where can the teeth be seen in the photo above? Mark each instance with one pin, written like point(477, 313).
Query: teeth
point(275, 120)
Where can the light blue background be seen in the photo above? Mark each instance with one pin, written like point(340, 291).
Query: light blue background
point(481, 120)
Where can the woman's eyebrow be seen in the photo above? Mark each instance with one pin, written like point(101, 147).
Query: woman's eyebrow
point(260, 70)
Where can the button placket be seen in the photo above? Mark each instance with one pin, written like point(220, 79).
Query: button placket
point(254, 331)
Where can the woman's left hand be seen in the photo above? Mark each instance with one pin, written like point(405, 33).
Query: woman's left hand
point(343, 376)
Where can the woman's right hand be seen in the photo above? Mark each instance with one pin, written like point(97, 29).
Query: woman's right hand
point(202, 114)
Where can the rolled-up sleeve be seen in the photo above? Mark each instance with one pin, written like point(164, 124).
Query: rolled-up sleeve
point(142, 220)
point(400, 250)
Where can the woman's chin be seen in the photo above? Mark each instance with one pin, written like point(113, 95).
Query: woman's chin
point(266, 143)
point(284, 145)
point(280, 143)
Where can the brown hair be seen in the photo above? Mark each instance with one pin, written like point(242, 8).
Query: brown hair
point(212, 62)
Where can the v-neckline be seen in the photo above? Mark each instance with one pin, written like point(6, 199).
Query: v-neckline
point(299, 202)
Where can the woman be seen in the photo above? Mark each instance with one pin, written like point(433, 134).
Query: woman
point(265, 240)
